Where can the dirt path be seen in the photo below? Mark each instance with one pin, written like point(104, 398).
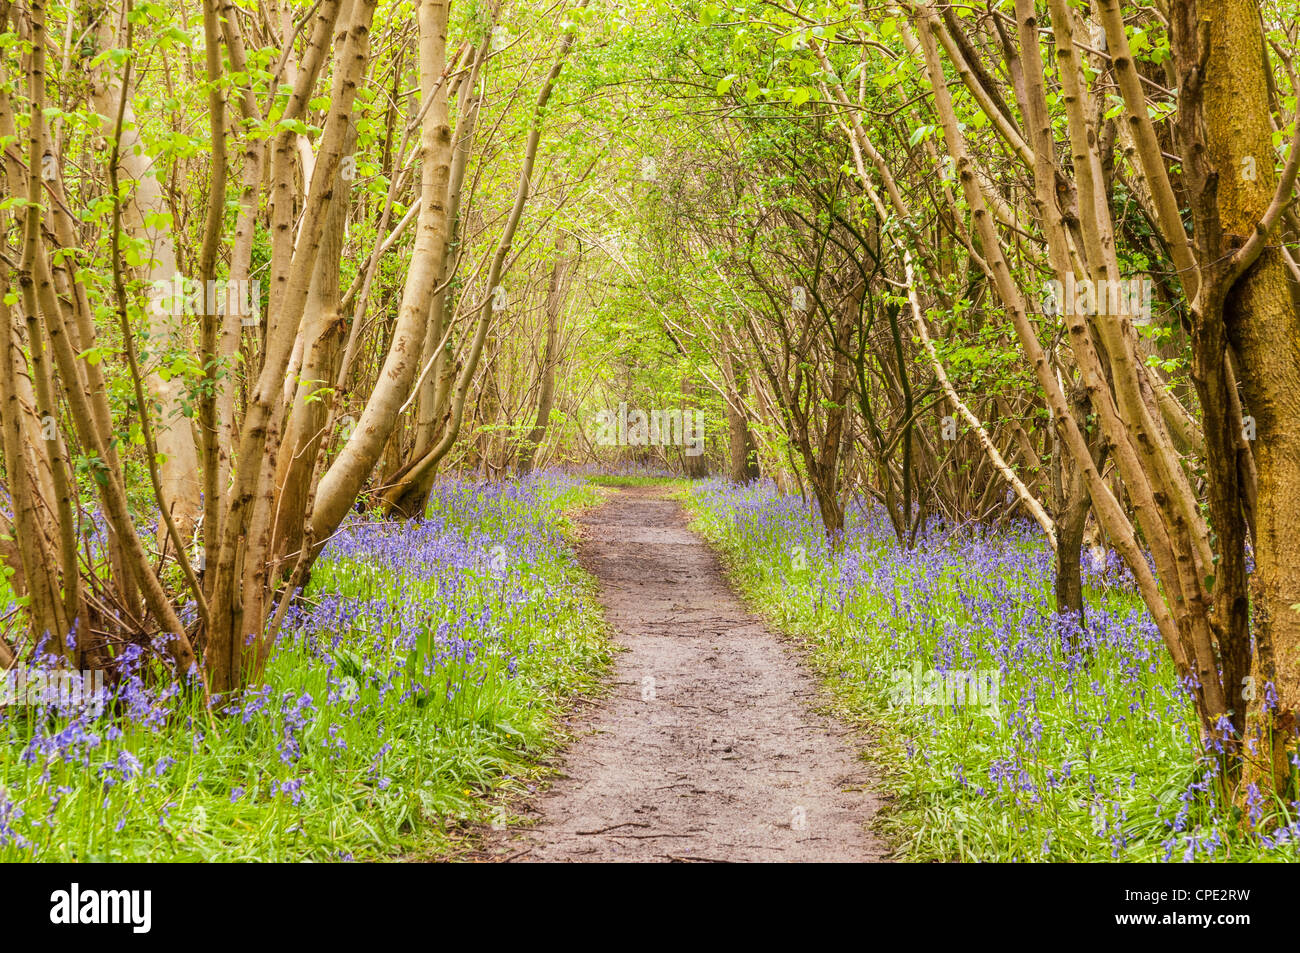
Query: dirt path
point(708, 748)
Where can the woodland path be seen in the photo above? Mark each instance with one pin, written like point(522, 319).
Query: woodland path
point(709, 747)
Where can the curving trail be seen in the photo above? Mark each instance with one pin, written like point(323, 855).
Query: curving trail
point(708, 749)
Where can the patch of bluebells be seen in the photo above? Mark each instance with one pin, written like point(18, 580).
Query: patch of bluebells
point(1093, 739)
point(401, 621)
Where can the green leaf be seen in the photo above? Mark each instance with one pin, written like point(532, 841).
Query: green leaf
point(293, 125)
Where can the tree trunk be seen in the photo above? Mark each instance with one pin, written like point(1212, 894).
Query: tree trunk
point(697, 466)
point(555, 295)
point(322, 342)
point(1262, 320)
point(344, 479)
point(402, 497)
point(240, 587)
point(174, 433)
point(742, 454)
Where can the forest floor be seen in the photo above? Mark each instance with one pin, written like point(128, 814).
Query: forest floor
point(710, 746)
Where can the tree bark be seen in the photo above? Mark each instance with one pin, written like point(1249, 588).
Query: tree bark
point(1224, 79)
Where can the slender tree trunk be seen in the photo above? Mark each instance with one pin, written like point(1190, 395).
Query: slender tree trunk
point(742, 452)
point(321, 341)
point(175, 434)
point(34, 545)
point(347, 475)
point(697, 466)
point(556, 293)
point(404, 496)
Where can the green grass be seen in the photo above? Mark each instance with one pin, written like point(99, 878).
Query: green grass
point(603, 480)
